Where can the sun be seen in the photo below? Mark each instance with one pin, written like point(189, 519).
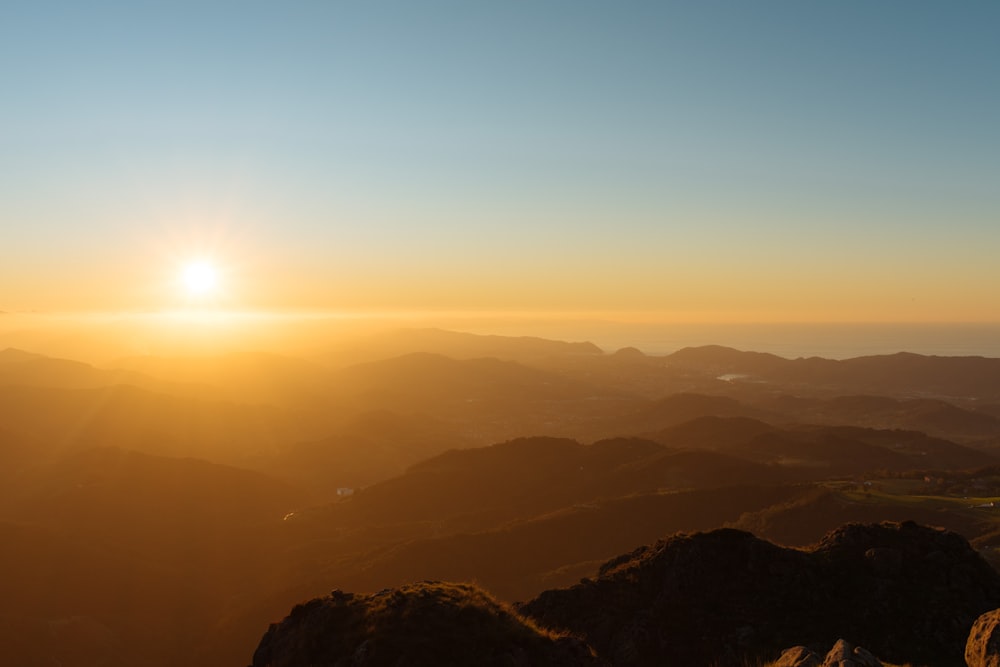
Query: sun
point(200, 278)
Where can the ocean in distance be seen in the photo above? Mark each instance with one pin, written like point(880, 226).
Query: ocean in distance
point(831, 341)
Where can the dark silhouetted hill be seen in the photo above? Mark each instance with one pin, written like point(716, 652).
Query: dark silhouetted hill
point(909, 592)
point(821, 452)
point(711, 432)
point(720, 360)
point(818, 454)
point(429, 623)
point(931, 416)
point(531, 476)
point(676, 409)
point(693, 469)
point(852, 450)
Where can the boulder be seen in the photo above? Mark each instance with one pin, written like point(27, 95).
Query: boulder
point(845, 654)
point(983, 646)
point(797, 656)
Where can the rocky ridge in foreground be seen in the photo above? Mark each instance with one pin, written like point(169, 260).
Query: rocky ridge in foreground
point(907, 593)
point(427, 623)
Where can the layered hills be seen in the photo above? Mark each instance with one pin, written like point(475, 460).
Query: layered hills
point(164, 510)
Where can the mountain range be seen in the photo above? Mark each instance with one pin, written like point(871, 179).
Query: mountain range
point(164, 510)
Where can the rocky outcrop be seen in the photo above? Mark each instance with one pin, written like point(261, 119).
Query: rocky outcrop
point(907, 592)
point(724, 598)
point(843, 654)
point(983, 646)
point(429, 623)
point(797, 656)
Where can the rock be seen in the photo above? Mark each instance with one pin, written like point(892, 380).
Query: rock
point(983, 646)
point(844, 654)
point(865, 658)
point(840, 655)
point(797, 656)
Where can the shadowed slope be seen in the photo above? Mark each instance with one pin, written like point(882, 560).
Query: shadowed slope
point(908, 592)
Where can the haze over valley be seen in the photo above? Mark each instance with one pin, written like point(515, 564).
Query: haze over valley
point(165, 509)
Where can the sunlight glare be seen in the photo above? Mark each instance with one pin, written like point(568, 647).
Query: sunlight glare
point(200, 278)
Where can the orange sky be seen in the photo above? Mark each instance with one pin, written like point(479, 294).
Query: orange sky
point(805, 163)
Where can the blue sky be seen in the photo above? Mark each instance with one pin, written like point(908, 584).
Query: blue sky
point(757, 160)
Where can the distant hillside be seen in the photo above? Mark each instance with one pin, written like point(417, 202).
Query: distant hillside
point(901, 374)
point(721, 424)
point(850, 450)
point(146, 503)
point(249, 377)
point(531, 476)
point(654, 418)
point(457, 345)
point(423, 377)
point(712, 432)
point(494, 399)
point(369, 448)
point(676, 409)
point(521, 558)
point(909, 592)
point(20, 368)
point(805, 519)
point(135, 418)
point(931, 416)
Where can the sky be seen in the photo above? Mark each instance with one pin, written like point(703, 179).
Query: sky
point(696, 161)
